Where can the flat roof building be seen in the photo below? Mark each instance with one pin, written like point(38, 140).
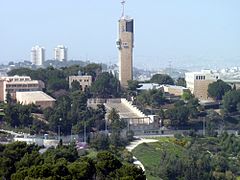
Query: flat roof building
point(38, 98)
point(197, 83)
point(85, 81)
point(174, 90)
point(13, 84)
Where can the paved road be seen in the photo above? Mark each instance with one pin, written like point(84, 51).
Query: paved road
point(11, 132)
point(135, 143)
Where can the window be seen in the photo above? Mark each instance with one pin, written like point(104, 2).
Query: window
point(125, 44)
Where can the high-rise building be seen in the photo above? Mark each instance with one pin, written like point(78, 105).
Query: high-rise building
point(125, 45)
point(37, 55)
point(60, 53)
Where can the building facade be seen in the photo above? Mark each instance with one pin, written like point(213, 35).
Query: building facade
point(125, 44)
point(197, 83)
point(37, 55)
point(13, 84)
point(174, 90)
point(60, 53)
point(84, 81)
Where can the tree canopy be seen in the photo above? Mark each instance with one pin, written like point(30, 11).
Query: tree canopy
point(217, 89)
point(231, 100)
point(181, 82)
point(19, 161)
point(153, 98)
point(106, 85)
point(162, 79)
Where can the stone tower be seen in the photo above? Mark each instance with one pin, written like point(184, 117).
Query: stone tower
point(125, 45)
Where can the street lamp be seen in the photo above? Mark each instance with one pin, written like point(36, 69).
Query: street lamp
point(59, 130)
point(85, 133)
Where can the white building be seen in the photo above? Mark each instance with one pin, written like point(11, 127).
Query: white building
point(60, 53)
point(197, 83)
point(37, 55)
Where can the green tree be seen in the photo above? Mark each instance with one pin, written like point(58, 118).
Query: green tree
point(230, 100)
point(178, 115)
point(217, 89)
point(106, 163)
point(9, 99)
point(100, 141)
point(162, 79)
point(75, 86)
point(81, 170)
point(181, 82)
point(187, 95)
point(17, 115)
point(129, 171)
point(106, 85)
point(116, 127)
point(153, 98)
point(92, 69)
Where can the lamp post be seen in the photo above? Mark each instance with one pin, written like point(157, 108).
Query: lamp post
point(204, 126)
point(71, 133)
point(59, 130)
point(84, 135)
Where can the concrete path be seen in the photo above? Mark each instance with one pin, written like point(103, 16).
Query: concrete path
point(134, 144)
point(11, 132)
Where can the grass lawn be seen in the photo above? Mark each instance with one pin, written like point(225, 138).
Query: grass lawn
point(151, 153)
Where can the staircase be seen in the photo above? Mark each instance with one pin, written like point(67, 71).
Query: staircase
point(127, 111)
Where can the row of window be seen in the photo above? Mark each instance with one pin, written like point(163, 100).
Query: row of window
point(21, 79)
point(200, 77)
point(82, 80)
point(21, 85)
point(203, 77)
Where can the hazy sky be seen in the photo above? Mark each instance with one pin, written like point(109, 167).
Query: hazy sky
point(186, 32)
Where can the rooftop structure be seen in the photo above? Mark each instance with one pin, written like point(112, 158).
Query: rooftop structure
point(38, 98)
point(148, 86)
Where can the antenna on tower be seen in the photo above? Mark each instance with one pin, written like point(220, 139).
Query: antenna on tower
point(123, 7)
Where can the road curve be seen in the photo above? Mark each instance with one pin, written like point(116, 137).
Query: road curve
point(134, 144)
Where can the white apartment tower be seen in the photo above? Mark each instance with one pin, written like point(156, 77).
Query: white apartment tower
point(60, 53)
point(125, 46)
point(37, 55)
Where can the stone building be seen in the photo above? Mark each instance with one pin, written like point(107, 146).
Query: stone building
point(197, 83)
point(85, 81)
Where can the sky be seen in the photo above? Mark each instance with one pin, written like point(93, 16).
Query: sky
point(183, 33)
